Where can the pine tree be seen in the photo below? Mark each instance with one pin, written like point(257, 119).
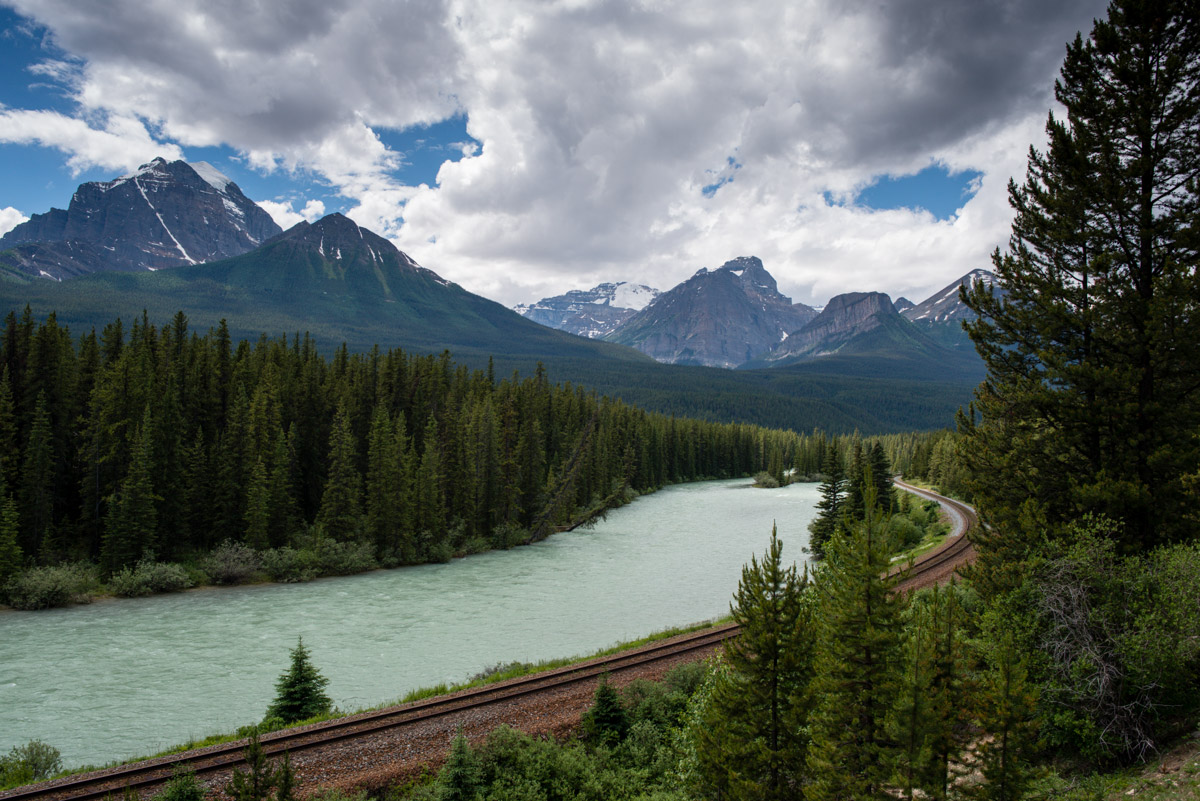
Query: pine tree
point(950, 689)
point(341, 503)
point(11, 555)
point(383, 484)
point(459, 779)
point(829, 516)
point(300, 692)
point(606, 720)
point(852, 751)
point(881, 477)
point(1090, 401)
point(765, 700)
point(256, 783)
point(131, 527)
point(1007, 713)
point(37, 479)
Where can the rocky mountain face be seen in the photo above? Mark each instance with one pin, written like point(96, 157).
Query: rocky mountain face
point(591, 313)
point(941, 314)
point(944, 306)
point(165, 214)
point(718, 318)
point(843, 318)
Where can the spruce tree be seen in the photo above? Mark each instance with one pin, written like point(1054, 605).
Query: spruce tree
point(11, 556)
point(460, 778)
point(1091, 341)
point(853, 750)
point(341, 502)
point(829, 515)
point(765, 700)
point(131, 526)
point(300, 691)
point(1007, 708)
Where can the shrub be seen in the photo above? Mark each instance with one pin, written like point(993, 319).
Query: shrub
point(33, 762)
point(183, 786)
point(58, 585)
point(343, 558)
point(289, 565)
point(231, 563)
point(508, 534)
point(765, 480)
point(149, 577)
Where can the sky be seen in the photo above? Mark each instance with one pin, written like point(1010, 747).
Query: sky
point(523, 148)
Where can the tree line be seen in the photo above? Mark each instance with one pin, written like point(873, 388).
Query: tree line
point(163, 442)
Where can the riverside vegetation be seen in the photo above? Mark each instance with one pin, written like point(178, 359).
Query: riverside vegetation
point(1071, 652)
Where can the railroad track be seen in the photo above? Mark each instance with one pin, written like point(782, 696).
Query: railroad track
point(146, 775)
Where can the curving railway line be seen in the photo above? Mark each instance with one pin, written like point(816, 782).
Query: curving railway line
point(415, 734)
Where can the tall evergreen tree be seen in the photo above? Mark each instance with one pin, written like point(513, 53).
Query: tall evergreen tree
point(341, 503)
point(1007, 712)
point(829, 514)
point(853, 751)
point(131, 527)
point(761, 745)
point(1091, 402)
point(37, 479)
point(11, 556)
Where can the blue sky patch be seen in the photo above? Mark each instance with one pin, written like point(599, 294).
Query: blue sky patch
point(934, 189)
point(426, 147)
point(723, 176)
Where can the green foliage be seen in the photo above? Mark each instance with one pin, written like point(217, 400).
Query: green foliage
point(300, 691)
point(183, 786)
point(1120, 640)
point(261, 776)
point(148, 577)
point(459, 779)
point(33, 762)
point(1007, 704)
point(755, 740)
point(829, 514)
point(1091, 345)
point(853, 749)
point(58, 585)
point(231, 563)
point(606, 720)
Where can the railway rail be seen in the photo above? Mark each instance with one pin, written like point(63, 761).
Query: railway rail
point(221, 759)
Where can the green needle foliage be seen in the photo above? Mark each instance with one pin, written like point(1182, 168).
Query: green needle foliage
point(756, 738)
point(300, 692)
point(853, 749)
point(1091, 402)
point(262, 777)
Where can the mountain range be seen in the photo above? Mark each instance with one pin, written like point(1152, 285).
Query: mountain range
point(591, 313)
point(162, 215)
point(735, 317)
point(177, 236)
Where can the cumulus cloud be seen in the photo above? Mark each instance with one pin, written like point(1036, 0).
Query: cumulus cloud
point(10, 218)
point(601, 124)
point(284, 214)
point(123, 143)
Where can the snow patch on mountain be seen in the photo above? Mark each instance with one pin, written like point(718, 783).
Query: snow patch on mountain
point(211, 175)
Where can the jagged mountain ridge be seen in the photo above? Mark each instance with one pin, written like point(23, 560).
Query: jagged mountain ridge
point(717, 318)
point(591, 313)
point(843, 318)
point(940, 316)
point(165, 214)
point(331, 278)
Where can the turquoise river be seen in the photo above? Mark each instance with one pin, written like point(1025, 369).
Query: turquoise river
point(122, 678)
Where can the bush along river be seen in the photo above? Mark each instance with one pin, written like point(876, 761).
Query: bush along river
point(124, 678)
